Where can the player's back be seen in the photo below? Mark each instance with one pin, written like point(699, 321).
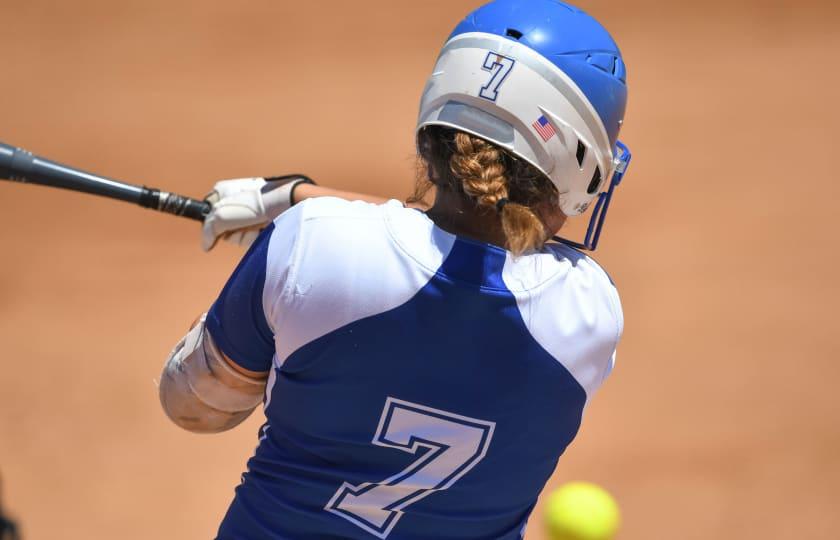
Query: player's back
point(423, 385)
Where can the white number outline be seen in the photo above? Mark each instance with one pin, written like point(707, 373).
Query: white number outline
point(337, 504)
point(500, 66)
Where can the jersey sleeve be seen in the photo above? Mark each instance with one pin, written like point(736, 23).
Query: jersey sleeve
point(618, 314)
point(237, 320)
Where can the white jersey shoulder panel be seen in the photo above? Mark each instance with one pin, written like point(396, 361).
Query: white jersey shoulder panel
point(571, 308)
point(332, 262)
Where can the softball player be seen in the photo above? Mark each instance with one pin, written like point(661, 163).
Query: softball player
point(422, 372)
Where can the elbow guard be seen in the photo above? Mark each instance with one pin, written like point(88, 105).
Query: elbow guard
point(200, 391)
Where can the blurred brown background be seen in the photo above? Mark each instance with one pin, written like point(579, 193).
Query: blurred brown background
point(721, 420)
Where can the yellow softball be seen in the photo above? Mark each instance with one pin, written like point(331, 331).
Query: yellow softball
point(581, 511)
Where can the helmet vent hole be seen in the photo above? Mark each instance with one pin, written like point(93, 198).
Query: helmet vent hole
point(581, 153)
point(596, 181)
point(515, 34)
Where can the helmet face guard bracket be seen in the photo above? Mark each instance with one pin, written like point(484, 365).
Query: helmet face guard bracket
point(599, 212)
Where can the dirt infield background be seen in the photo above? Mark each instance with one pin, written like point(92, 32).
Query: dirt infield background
point(722, 419)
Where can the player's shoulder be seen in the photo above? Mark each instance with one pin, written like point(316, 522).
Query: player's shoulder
point(320, 209)
point(570, 307)
point(562, 270)
point(555, 265)
point(345, 232)
point(582, 263)
point(330, 217)
point(355, 225)
point(593, 276)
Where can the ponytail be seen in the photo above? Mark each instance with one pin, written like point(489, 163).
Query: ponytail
point(489, 176)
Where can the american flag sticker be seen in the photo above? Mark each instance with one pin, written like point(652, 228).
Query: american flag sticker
point(544, 128)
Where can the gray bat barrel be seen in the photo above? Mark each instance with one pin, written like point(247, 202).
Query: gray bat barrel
point(22, 166)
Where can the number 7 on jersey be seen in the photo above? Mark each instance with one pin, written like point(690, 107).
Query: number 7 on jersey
point(454, 444)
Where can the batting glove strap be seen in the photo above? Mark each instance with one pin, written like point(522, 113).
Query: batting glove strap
point(278, 193)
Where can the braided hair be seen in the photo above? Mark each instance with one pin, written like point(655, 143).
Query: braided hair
point(490, 178)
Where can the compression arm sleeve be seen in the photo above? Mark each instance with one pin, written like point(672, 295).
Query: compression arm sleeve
point(200, 391)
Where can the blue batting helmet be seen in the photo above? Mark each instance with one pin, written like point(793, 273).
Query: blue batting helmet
point(545, 81)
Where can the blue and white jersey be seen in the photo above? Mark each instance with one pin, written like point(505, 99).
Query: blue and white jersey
point(421, 385)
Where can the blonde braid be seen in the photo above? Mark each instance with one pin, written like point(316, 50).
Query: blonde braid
point(523, 229)
point(478, 165)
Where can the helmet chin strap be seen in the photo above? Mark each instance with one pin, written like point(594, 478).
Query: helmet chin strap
point(599, 213)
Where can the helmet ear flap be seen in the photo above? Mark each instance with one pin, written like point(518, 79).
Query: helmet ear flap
point(567, 136)
point(599, 213)
point(595, 183)
point(581, 164)
point(582, 153)
point(576, 149)
point(585, 158)
point(590, 162)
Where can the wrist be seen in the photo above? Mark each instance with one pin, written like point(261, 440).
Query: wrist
point(305, 191)
point(291, 182)
point(296, 180)
point(306, 183)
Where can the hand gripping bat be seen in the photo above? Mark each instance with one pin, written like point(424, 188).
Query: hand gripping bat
point(21, 166)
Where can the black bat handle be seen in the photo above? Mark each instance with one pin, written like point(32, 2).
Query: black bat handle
point(22, 166)
point(172, 203)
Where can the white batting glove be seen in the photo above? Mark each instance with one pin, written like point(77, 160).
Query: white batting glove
point(241, 208)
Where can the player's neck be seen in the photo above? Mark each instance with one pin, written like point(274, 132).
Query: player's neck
point(456, 215)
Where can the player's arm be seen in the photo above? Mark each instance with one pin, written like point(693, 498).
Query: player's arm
point(242, 208)
point(312, 191)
